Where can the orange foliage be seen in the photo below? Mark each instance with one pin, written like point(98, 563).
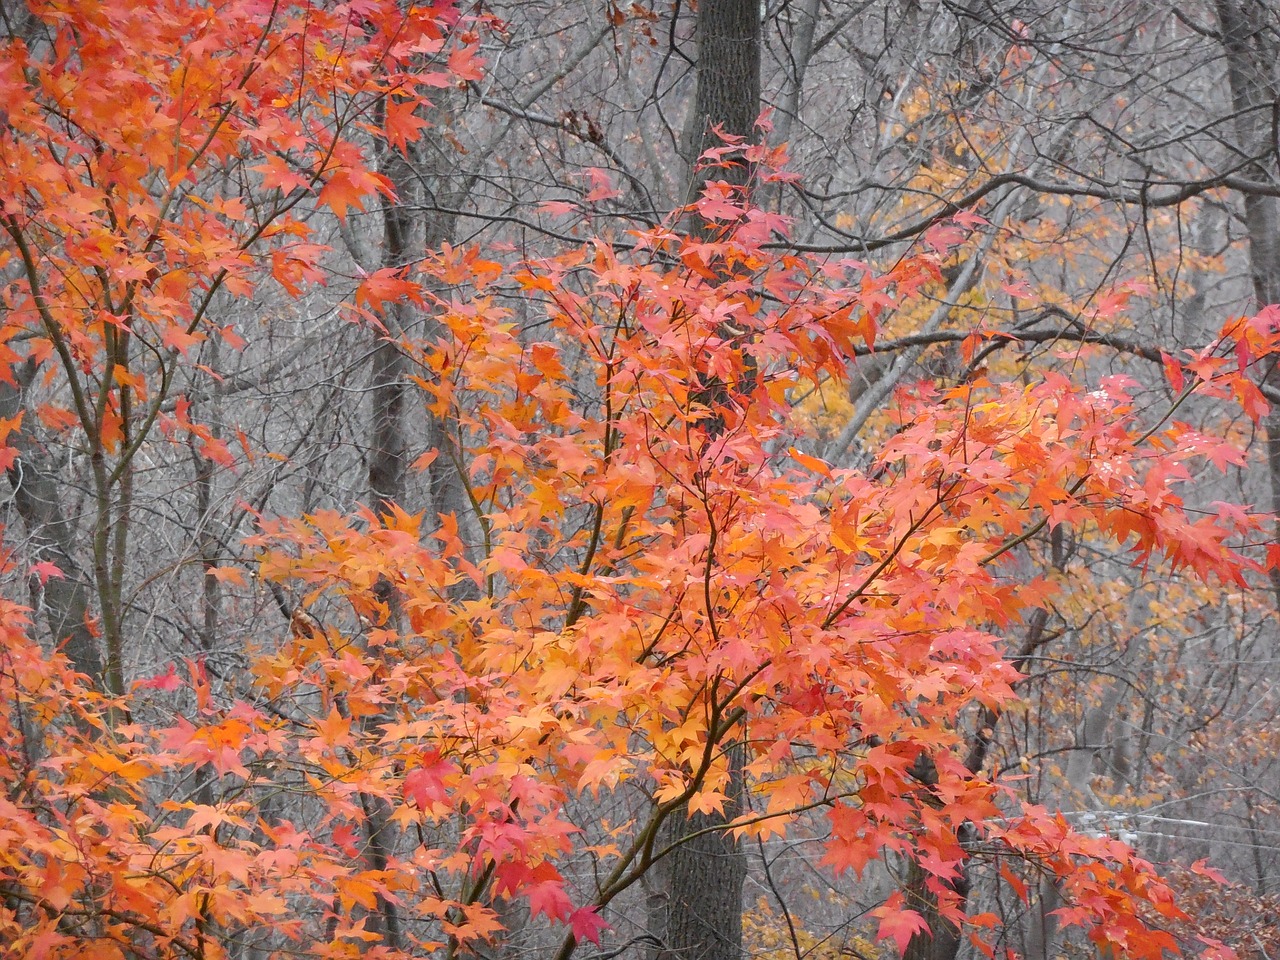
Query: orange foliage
point(648, 589)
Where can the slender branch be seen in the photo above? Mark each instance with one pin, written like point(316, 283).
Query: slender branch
point(1116, 194)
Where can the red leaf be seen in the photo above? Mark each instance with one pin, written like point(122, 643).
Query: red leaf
point(388, 284)
point(1202, 868)
point(402, 124)
point(550, 899)
point(1173, 372)
point(218, 452)
point(278, 175)
point(167, 681)
point(811, 463)
point(719, 203)
point(897, 923)
point(1018, 288)
point(558, 208)
point(602, 187)
point(586, 924)
point(424, 786)
point(46, 569)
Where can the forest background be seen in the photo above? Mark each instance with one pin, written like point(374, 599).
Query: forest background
point(669, 480)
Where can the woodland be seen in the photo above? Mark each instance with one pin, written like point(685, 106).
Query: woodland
point(671, 480)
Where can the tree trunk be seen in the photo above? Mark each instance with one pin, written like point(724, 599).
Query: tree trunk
point(410, 228)
point(1249, 38)
point(699, 914)
point(728, 84)
point(942, 940)
point(63, 600)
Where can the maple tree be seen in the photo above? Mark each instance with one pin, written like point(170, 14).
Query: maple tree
point(647, 591)
point(1116, 216)
point(155, 156)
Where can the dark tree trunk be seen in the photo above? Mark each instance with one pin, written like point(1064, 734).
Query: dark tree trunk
point(411, 227)
point(697, 913)
point(387, 384)
point(64, 601)
point(728, 83)
point(942, 942)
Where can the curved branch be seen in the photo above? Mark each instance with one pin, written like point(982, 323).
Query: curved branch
point(1123, 194)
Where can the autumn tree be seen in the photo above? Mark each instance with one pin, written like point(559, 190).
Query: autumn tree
point(647, 588)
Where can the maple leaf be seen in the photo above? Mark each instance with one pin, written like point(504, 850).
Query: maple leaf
point(388, 284)
point(204, 817)
point(167, 681)
point(898, 923)
point(46, 569)
point(719, 202)
point(217, 451)
point(341, 193)
point(403, 124)
point(853, 843)
point(465, 63)
point(479, 923)
point(602, 187)
point(1173, 372)
point(1019, 288)
point(811, 463)
point(333, 731)
point(344, 837)
point(227, 574)
point(586, 924)
point(279, 174)
point(57, 418)
point(941, 237)
point(969, 219)
point(425, 784)
point(548, 897)
point(1201, 868)
point(558, 208)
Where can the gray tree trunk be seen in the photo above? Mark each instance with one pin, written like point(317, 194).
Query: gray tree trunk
point(63, 601)
point(696, 912)
point(727, 94)
point(1250, 32)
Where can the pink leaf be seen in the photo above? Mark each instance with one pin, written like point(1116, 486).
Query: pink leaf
point(1202, 868)
point(558, 208)
point(46, 569)
point(897, 923)
point(166, 681)
point(602, 187)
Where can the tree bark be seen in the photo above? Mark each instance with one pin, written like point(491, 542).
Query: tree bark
point(727, 93)
point(942, 939)
point(410, 228)
point(699, 914)
point(64, 600)
point(1248, 30)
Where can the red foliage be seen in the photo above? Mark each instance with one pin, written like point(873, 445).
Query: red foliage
point(837, 621)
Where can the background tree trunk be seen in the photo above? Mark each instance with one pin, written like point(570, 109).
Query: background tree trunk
point(63, 600)
point(1248, 31)
point(699, 916)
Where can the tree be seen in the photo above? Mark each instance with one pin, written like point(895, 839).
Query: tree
point(179, 190)
point(661, 580)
